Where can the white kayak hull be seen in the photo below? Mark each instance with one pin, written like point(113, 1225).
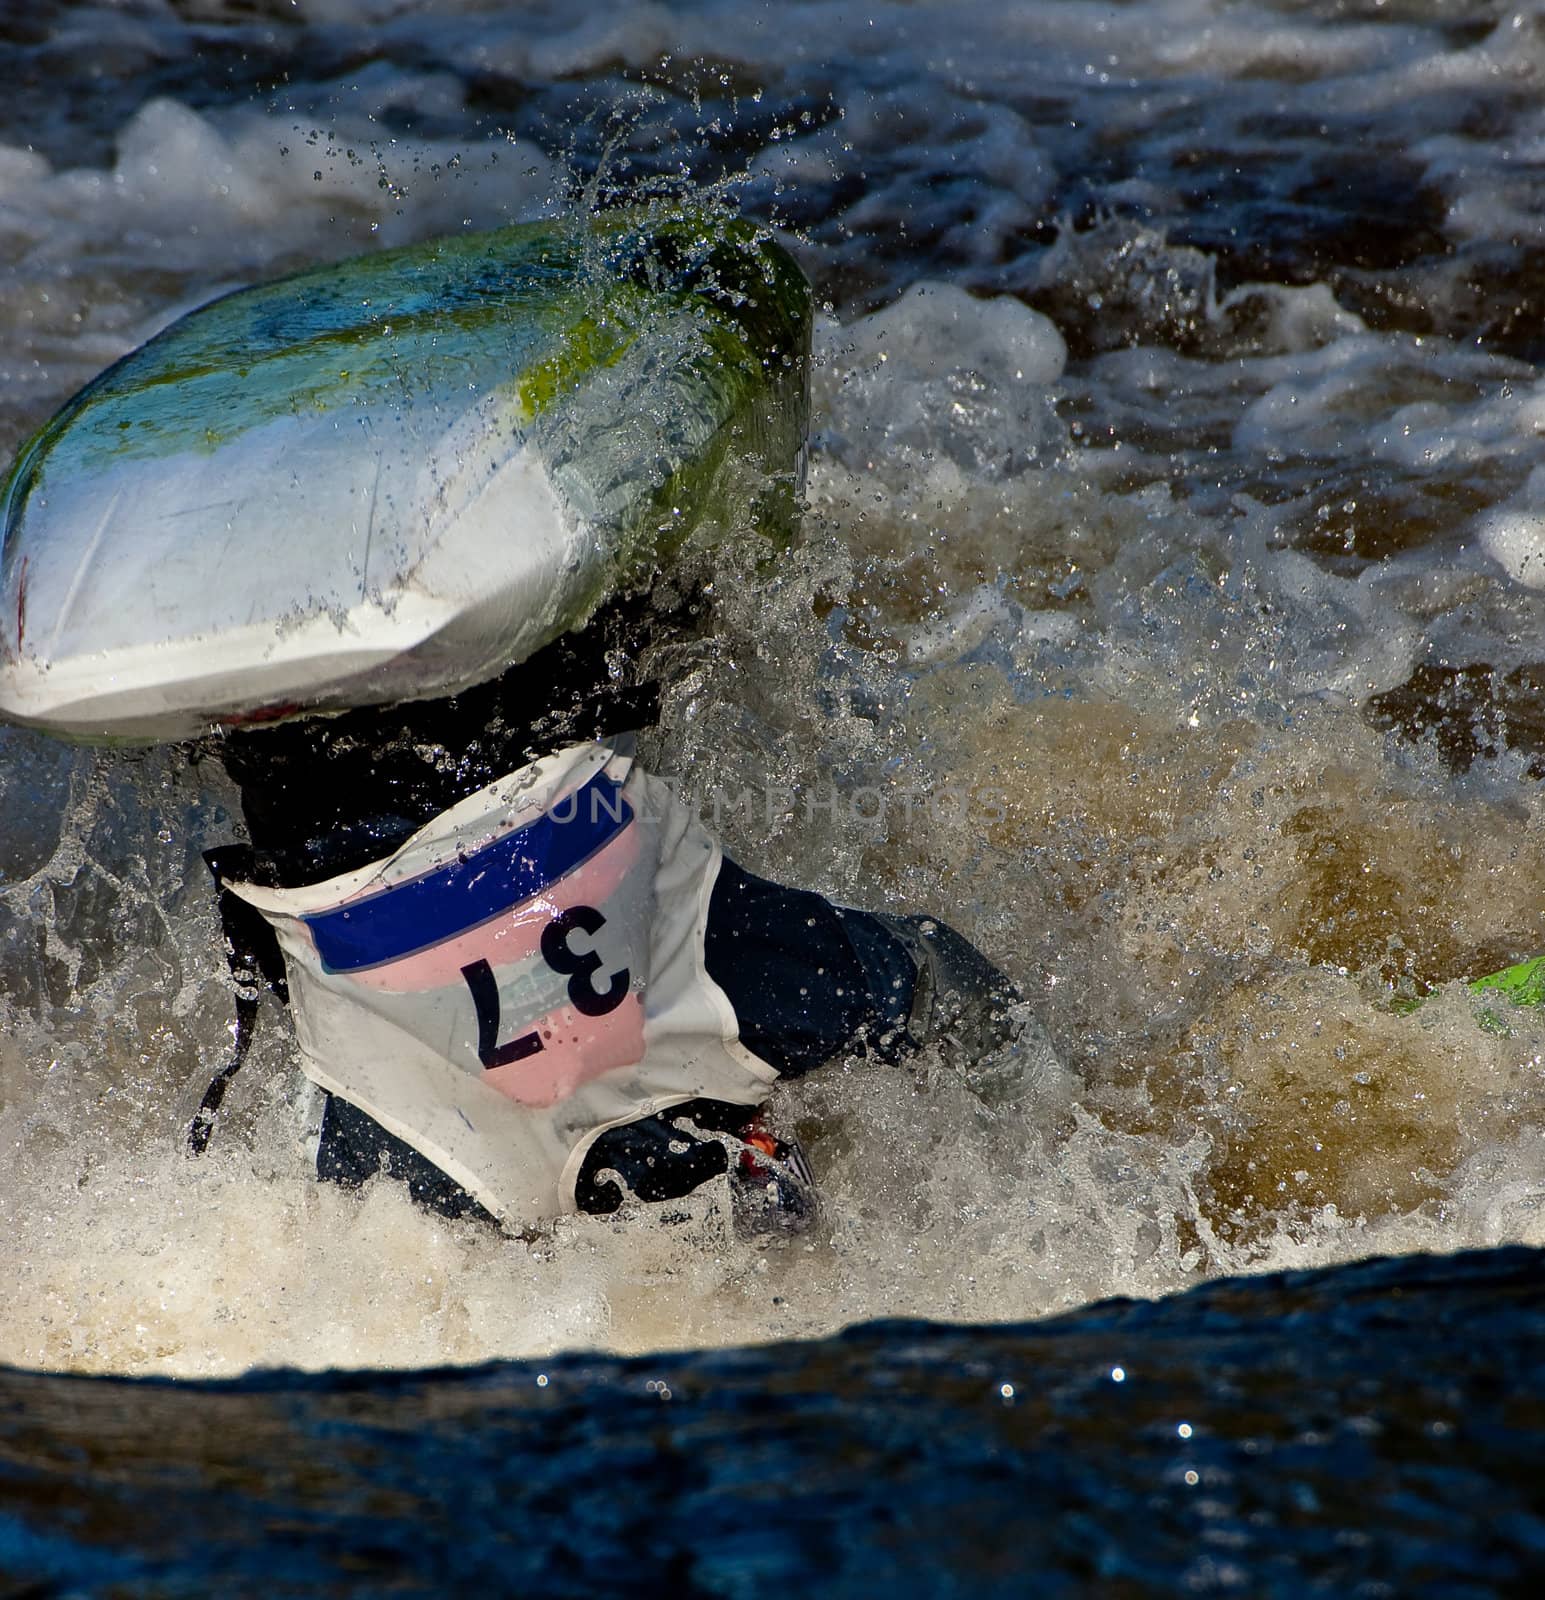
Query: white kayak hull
point(391, 479)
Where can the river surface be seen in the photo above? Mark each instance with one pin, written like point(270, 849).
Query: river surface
point(1170, 617)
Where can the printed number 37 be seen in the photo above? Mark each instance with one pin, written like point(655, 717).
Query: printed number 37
point(580, 970)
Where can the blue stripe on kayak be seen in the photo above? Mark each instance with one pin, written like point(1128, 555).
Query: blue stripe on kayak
point(426, 911)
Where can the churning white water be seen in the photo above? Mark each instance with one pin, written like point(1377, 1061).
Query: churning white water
point(1169, 618)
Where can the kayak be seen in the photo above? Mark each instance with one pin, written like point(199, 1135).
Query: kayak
point(394, 477)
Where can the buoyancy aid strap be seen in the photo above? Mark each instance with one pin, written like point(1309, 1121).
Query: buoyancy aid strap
point(255, 962)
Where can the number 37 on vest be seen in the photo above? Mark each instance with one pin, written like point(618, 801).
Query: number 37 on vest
point(524, 972)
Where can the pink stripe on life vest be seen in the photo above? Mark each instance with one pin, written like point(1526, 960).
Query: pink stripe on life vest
point(575, 1049)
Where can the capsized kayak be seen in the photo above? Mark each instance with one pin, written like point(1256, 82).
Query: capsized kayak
point(394, 477)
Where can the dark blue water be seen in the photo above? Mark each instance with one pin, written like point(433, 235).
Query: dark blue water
point(1371, 1430)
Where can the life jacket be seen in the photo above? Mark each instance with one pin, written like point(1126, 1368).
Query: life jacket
point(523, 973)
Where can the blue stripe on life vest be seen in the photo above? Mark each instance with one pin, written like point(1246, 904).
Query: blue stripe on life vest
point(426, 911)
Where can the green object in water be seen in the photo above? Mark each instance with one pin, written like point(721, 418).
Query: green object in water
point(1523, 984)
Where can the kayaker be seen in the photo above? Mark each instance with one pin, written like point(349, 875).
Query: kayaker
point(756, 982)
point(393, 529)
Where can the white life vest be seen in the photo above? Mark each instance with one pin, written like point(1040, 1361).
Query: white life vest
point(523, 973)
